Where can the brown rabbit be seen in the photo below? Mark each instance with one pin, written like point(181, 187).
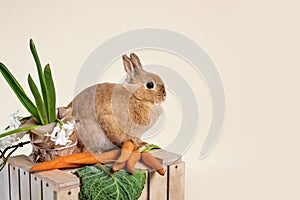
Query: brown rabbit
point(111, 114)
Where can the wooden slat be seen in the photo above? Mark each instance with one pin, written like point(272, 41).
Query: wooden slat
point(59, 179)
point(158, 186)
point(36, 187)
point(176, 184)
point(25, 185)
point(55, 181)
point(165, 157)
point(144, 195)
point(4, 183)
point(48, 192)
point(14, 182)
point(21, 161)
point(69, 194)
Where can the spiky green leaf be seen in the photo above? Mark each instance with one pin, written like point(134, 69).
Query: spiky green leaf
point(18, 90)
point(27, 128)
point(41, 108)
point(40, 73)
point(51, 106)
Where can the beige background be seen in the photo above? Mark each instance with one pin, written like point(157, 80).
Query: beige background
point(255, 45)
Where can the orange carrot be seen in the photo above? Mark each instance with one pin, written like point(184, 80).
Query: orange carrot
point(134, 158)
point(161, 171)
point(67, 165)
point(127, 149)
point(87, 158)
point(108, 156)
point(77, 160)
point(97, 158)
point(153, 163)
point(59, 162)
point(45, 166)
point(118, 166)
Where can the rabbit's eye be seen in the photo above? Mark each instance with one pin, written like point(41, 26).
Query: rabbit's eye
point(150, 85)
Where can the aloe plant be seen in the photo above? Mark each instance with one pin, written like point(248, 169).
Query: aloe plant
point(44, 109)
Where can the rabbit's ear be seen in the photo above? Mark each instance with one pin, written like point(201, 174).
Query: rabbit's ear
point(129, 67)
point(135, 60)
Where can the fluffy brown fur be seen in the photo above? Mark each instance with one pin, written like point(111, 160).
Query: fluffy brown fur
point(111, 114)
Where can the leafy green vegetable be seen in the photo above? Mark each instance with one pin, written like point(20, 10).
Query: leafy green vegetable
point(98, 182)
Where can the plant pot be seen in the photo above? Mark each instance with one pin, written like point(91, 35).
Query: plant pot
point(44, 148)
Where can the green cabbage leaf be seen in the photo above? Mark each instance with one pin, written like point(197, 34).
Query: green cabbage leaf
point(98, 182)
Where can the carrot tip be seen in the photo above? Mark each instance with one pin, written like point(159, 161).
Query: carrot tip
point(161, 171)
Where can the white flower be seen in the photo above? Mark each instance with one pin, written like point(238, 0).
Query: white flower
point(14, 123)
point(53, 134)
point(60, 134)
point(61, 138)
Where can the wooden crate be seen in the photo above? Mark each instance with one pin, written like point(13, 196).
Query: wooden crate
point(18, 183)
